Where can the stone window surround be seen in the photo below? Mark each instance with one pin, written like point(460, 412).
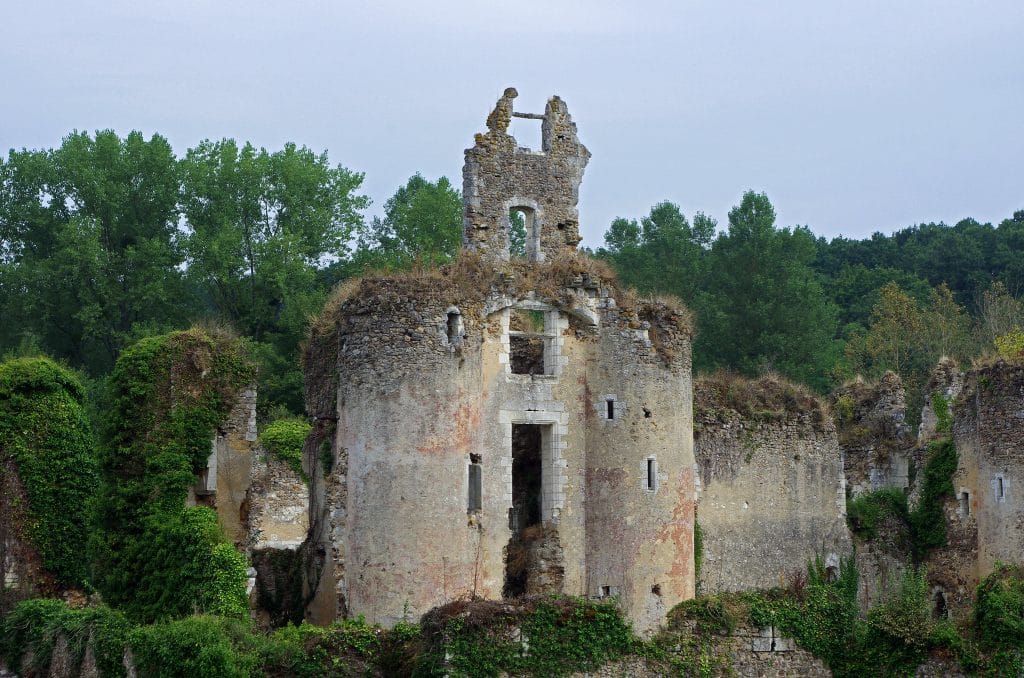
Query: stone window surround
point(554, 427)
point(554, 325)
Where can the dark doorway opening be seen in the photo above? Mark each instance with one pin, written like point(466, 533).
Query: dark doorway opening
point(525, 516)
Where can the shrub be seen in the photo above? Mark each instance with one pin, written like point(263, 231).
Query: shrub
point(1011, 344)
point(33, 627)
point(284, 438)
point(866, 512)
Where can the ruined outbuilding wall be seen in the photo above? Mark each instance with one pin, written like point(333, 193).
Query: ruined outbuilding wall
point(772, 490)
point(988, 428)
point(876, 441)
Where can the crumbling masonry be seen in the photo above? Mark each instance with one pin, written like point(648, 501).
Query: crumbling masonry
point(501, 427)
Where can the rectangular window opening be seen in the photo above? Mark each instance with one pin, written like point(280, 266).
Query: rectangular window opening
point(606, 591)
point(610, 408)
point(965, 504)
point(999, 488)
point(652, 474)
point(526, 342)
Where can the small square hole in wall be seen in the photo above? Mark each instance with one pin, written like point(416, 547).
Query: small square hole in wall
point(606, 591)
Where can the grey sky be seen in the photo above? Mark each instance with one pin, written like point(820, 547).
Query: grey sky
point(852, 116)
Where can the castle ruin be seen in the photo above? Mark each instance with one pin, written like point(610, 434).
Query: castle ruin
point(501, 427)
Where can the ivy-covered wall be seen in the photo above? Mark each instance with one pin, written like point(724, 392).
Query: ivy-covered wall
point(153, 556)
point(48, 472)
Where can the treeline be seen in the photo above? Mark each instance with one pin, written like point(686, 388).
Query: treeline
point(821, 311)
point(105, 240)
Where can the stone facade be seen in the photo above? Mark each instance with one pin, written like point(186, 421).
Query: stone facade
point(772, 491)
point(499, 428)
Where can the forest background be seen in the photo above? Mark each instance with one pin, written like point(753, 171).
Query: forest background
point(104, 240)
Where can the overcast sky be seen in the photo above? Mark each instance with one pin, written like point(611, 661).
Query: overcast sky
point(854, 116)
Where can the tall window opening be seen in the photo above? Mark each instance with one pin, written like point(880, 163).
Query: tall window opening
point(609, 408)
point(1000, 489)
point(454, 326)
point(520, 223)
point(475, 499)
point(526, 342)
point(526, 513)
point(965, 504)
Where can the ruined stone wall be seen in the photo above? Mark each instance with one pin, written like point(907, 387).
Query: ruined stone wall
point(875, 439)
point(500, 175)
point(988, 429)
point(771, 494)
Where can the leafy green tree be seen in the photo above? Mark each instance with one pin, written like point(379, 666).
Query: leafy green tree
point(422, 222)
point(661, 253)
point(90, 249)
point(261, 227)
point(764, 306)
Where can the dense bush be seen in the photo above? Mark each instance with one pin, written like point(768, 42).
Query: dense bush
point(999, 617)
point(44, 430)
point(34, 625)
point(868, 511)
point(284, 438)
point(154, 557)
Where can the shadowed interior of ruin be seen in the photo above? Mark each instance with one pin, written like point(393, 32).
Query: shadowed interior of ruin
point(525, 516)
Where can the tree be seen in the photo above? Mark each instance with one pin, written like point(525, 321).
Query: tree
point(261, 226)
point(422, 222)
point(764, 307)
point(661, 253)
point(90, 248)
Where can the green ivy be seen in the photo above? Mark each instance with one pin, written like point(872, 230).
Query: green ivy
point(866, 513)
point(556, 637)
point(284, 438)
point(999, 617)
point(44, 430)
point(928, 519)
point(944, 417)
point(33, 626)
point(154, 557)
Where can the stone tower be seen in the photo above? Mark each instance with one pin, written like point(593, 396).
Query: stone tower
point(500, 176)
point(501, 427)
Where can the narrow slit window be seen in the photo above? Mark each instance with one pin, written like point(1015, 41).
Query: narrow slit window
point(1000, 490)
point(475, 502)
point(652, 474)
point(965, 504)
point(609, 405)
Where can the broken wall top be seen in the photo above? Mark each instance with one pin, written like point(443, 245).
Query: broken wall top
point(500, 176)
